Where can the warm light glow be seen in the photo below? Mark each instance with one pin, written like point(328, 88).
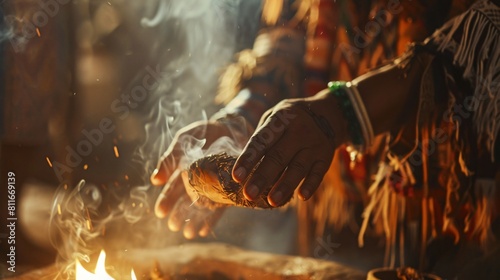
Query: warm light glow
point(117, 154)
point(100, 270)
point(48, 161)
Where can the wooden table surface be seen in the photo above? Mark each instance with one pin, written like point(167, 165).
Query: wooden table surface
point(216, 261)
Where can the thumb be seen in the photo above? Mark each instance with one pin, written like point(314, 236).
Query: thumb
point(159, 176)
point(168, 163)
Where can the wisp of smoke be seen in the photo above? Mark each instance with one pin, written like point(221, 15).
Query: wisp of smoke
point(7, 27)
point(188, 90)
point(75, 230)
point(204, 41)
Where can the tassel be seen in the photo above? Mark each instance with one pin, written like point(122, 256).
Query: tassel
point(271, 11)
point(376, 193)
point(478, 53)
point(485, 196)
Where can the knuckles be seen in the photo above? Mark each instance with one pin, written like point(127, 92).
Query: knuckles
point(278, 157)
point(298, 166)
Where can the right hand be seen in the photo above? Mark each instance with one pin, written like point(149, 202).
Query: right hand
point(174, 201)
point(276, 163)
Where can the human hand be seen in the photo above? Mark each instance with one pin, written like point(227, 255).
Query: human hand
point(293, 145)
point(174, 200)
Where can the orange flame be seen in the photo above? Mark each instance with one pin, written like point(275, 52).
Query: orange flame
point(100, 270)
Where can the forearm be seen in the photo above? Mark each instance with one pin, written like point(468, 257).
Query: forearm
point(266, 74)
point(390, 92)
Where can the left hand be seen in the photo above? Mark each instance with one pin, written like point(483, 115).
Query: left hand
point(174, 201)
point(295, 142)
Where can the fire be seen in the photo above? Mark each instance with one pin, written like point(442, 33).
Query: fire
point(100, 270)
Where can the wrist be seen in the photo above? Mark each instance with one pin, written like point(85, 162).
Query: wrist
point(358, 130)
point(330, 107)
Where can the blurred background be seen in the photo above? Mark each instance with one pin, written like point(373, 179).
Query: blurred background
point(94, 90)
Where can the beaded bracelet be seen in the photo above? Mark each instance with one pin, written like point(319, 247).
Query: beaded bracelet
point(353, 109)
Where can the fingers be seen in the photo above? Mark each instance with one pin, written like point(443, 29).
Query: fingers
point(173, 190)
point(195, 221)
point(209, 131)
point(285, 152)
point(264, 117)
point(170, 159)
point(167, 164)
point(180, 214)
point(296, 171)
point(270, 169)
point(264, 138)
point(202, 222)
point(313, 179)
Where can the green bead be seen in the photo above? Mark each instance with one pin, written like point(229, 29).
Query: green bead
point(337, 88)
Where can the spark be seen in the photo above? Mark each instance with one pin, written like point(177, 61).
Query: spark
point(133, 204)
point(117, 154)
point(89, 224)
point(59, 209)
point(89, 220)
point(85, 167)
point(38, 32)
point(48, 161)
point(194, 201)
point(126, 177)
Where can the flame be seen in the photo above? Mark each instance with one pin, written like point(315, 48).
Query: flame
point(100, 270)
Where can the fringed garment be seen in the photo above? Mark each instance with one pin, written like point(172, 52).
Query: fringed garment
point(434, 177)
point(446, 158)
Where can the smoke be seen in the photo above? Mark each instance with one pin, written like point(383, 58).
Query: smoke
point(205, 41)
point(7, 27)
point(196, 39)
point(75, 232)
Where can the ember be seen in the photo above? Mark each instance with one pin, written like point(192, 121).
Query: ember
point(117, 153)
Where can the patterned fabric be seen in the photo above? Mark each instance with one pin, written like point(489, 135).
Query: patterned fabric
point(272, 69)
point(446, 161)
point(473, 42)
point(359, 36)
point(319, 48)
point(345, 39)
